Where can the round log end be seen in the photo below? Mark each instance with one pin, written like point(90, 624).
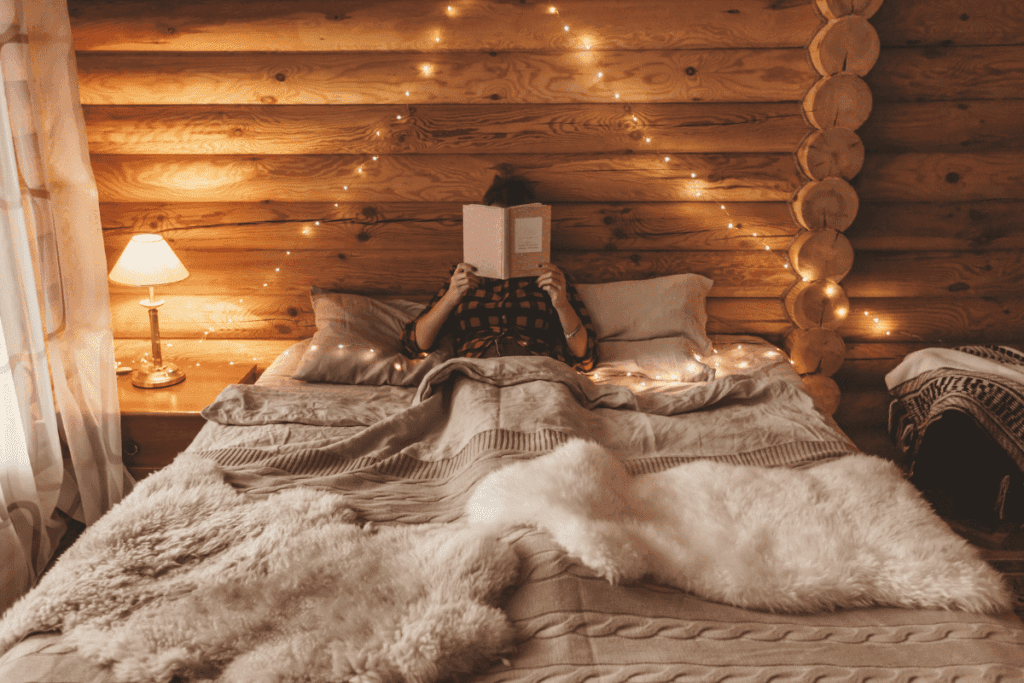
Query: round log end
point(834, 9)
point(821, 255)
point(824, 391)
point(831, 203)
point(849, 44)
point(835, 152)
point(815, 351)
point(840, 101)
point(819, 303)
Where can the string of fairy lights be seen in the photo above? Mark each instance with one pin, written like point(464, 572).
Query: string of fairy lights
point(633, 123)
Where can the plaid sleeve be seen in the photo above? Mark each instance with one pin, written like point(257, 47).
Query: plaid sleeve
point(589, 359)
point(410, 347)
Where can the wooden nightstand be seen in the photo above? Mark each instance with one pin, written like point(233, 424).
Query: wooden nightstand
point(157, 424)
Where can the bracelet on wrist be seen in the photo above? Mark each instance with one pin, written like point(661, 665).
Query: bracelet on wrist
point(572, 334)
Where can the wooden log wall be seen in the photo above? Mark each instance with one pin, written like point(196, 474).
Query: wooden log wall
point(939, 237)
point(282, 144)
point(279, 144)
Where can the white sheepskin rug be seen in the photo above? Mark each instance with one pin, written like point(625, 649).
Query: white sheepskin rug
point(188, 577)
point(847, 533)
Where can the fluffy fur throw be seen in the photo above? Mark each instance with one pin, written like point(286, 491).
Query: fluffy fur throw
point(188, 577)
point(848, 533)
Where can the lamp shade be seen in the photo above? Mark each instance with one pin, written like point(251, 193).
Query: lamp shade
point(147, 261)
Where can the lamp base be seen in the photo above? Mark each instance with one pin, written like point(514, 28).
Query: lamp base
point(166, 375)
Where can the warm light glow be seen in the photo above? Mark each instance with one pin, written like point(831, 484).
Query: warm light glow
point(147, 261)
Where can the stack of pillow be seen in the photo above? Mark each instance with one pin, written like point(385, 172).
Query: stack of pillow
point(652, 328)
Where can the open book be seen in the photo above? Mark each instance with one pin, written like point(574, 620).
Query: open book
point(506, 242)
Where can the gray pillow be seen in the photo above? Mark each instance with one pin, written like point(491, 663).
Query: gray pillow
point(358, 341)
point(633, 310)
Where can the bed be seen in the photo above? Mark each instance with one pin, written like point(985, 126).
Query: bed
point(309, 518)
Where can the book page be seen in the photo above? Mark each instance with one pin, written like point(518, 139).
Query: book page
point(530, 241)
point(484, 239)
point(529, 234)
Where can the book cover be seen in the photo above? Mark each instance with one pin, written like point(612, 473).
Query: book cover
point(506, 242)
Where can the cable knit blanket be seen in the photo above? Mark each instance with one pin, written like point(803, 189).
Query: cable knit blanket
point(293, 517)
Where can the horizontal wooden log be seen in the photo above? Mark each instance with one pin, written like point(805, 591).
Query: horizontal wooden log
point(955, 274)
point(939, 321)
point(946, 22)
point(742, 75)
point(957, 126)
point(277, 317)
point(336, 26)
point(921, 176)
point(249, 270)
point(443, 178)
point(946, 226)
point(906, 74)
point(469, 128)
point(670, 226)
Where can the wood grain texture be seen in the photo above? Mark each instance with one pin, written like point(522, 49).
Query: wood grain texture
point(954, 126)
point(905, 74)
point(946, 22)
point(697, 127)
point(953, 274)
point(253, 270)
point(383, 78)
point(396, 25)
point(443, 178)
point(627, 226)
point(940, 321)
point(847, 44)
point(944, 226)
point(252, 319)
point(938, 177)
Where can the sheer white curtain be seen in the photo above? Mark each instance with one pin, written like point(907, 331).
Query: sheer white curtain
point(59, 419)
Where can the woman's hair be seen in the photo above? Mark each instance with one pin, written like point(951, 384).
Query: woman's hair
point(509, 190)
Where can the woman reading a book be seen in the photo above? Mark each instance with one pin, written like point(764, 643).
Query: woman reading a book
point(486, 317)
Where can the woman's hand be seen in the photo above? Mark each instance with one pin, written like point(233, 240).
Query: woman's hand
point(552, 281)
point(463, 279)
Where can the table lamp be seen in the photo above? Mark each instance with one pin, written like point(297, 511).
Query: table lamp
point(148, 261)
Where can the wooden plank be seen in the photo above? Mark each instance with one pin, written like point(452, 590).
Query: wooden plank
point(946, 22)
point(695, 127)
point(252, 270)
point(738, 75)
point(906, 74)
point(946, 226)
point(203, 319)
point(945, 321)
point(956, 274)
point(955, 126)
point(922, 176)
point(395, 25)
point(632, 226)
point(444, 177)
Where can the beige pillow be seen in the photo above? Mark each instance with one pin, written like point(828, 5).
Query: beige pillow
point(632, 310)
point(358, 341)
